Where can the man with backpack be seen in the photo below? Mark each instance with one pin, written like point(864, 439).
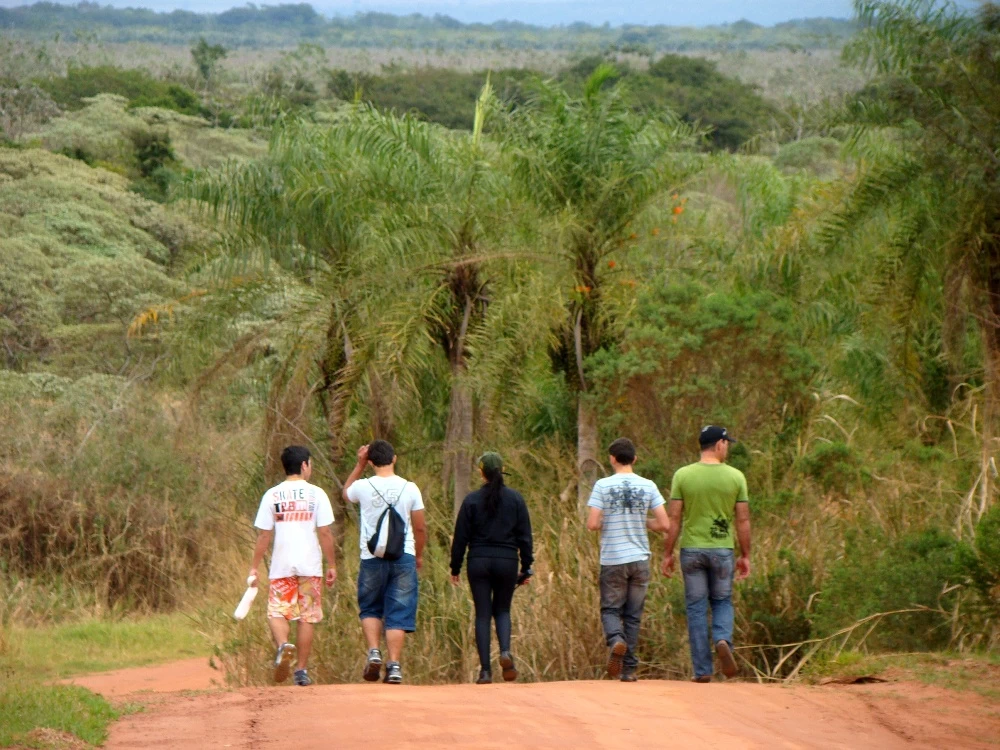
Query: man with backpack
point(393, 534)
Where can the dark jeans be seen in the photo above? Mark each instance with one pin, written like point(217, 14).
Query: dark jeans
point(708, 579)
point(623, 596)
point(492, 580)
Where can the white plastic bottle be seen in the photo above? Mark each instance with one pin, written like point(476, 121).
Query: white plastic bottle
point(249, 595)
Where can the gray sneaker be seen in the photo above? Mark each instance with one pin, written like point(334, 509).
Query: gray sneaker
point(283, 661)
point(302, 677)
point(373, 667)
point(393, 673)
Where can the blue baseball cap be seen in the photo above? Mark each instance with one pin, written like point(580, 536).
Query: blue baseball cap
point(712, 434)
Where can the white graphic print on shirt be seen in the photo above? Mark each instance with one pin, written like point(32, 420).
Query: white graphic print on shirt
point(294, 510)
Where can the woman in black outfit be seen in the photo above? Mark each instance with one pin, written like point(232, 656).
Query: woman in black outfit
point(494, 524)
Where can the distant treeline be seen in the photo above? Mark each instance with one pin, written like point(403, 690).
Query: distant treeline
point(289, 24)
point(690, 87)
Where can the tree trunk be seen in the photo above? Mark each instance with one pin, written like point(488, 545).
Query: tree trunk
point(589, 468)
point(458, 439)
point(336, 414)
point(335, 397)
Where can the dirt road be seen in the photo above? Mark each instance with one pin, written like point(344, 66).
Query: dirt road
point(579, 715)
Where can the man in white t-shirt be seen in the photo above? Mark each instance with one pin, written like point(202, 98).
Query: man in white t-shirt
point(298, 517)
point(387, 589)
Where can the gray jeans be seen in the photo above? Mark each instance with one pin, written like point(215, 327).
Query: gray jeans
point(623, 596)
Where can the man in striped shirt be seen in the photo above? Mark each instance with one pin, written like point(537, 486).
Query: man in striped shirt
point(619, 508)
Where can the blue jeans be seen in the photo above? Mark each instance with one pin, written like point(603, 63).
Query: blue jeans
point(387, 590)
point(708, 578)
point(623, 596)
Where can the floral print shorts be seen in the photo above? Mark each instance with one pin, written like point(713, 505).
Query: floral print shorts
point(296, 598)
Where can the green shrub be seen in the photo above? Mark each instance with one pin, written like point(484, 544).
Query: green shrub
point(27, 311)
point(152, 149)
point(815, 154)
point(155, 159)
point(78, 249)
point(692, 88)
point(773, 609)
point(138, 87)
point(878, 574)
point(440, 95)
point(684, 348)
point(980, 560)
point(835, 466)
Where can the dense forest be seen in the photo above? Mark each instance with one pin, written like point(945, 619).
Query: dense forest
point(205, 259)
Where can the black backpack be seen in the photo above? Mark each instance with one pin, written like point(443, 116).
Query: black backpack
point(389, 539)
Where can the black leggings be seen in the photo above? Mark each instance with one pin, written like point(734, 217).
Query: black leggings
point(492, 580)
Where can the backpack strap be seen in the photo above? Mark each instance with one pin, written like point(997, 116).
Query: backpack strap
point(383, 497)
point(392, 505)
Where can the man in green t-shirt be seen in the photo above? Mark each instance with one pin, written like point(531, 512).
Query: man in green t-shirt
point(707, 499)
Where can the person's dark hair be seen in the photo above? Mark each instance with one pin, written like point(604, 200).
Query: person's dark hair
point(292, 459)
point(623, 450)
point(494, 489)
point(381, 452)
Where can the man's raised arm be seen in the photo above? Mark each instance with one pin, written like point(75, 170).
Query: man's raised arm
point(356, 472)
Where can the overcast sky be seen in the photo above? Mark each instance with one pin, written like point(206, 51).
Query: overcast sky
point(553, 12)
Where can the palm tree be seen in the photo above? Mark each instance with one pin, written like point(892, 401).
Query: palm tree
point(395, 221)
point(592, 167)
point(928, 137)
point(444, 221)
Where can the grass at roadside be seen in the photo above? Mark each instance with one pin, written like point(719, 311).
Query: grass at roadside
point(31, 658)
point(979, 673)
point(66, 708)
point(54, 652)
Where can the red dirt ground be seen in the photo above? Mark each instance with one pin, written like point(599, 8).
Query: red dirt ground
point(578, 715)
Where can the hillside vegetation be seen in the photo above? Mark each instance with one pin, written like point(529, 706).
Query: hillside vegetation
point(201, 264)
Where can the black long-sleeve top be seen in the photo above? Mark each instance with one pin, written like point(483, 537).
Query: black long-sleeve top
point(502, 535)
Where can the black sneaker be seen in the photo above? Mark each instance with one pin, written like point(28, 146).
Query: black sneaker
point(726, 659)
point(373, 667)
point(302, 678)
point(283, 661)
point(485, 677)
point(393, 673)
point(616, 657)
point(629, 677)
point(507, 665)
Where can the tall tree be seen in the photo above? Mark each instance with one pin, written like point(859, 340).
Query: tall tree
point(307, 208)
point(394, 220)
point(445, 217)
point(592, 166)
point(928, 134)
